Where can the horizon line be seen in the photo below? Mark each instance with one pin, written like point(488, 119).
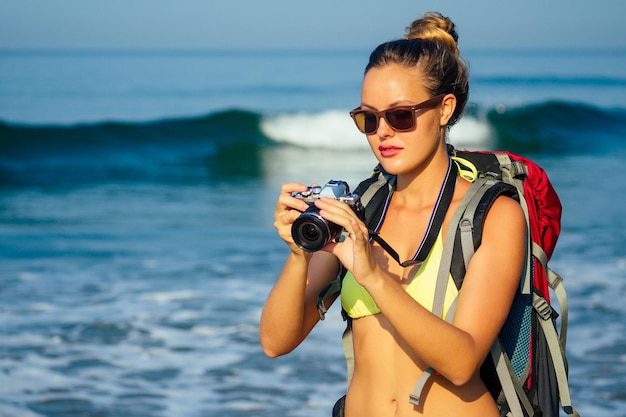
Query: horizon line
point(183, 49)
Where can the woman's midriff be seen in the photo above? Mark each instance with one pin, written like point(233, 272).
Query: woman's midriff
point(386, 372)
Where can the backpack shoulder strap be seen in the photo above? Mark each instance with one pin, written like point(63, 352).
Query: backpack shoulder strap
point(374, 193)
point(329, 291)
point(463, 239)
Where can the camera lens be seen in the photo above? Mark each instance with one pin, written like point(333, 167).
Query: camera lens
point(310, 232)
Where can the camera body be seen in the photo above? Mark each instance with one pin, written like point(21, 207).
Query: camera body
point(310, 231)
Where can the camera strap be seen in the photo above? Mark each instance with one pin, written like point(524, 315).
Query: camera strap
point(444, 198)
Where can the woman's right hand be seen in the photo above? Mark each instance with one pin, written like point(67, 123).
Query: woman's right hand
point(288, 209)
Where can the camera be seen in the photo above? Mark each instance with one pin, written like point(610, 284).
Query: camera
point(310, 231)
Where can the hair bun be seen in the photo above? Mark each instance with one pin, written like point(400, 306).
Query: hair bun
point(433, 26)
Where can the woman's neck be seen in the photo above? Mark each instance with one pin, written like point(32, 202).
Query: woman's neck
point(422, 187)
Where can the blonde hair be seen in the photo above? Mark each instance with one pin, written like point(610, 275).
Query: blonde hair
point(433, 26)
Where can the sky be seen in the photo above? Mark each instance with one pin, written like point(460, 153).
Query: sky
point(294, 24)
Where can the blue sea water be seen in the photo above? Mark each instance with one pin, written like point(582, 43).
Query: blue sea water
point(136, 198)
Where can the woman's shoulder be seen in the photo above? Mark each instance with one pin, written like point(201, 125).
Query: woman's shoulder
point(504, 221)
point(504, 208)
point(507, 208)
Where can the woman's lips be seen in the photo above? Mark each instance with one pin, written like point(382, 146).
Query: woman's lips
point(389, 151)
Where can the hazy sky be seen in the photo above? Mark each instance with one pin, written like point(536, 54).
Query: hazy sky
point(324, 24)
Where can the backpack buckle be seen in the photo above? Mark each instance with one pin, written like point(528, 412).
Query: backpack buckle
point(518, 169)
point(322, 310)
point(543, 308)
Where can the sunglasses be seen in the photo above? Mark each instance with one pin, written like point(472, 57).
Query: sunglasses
point(400, 119)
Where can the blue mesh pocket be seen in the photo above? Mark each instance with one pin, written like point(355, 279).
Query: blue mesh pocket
point(515, 333)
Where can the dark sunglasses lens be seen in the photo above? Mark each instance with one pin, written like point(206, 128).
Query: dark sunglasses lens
point(366, 122)
point(370, 122)
point(401, 119)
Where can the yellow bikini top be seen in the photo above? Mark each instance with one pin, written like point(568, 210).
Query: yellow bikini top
point(357, 302)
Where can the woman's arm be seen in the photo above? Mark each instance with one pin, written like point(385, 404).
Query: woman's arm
point(290, 311)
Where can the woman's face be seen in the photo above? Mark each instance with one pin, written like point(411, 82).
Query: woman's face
point(402, 152)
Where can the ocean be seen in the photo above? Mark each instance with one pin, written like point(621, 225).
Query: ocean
point(137, 190)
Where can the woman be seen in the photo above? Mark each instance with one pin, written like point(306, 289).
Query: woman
point(396, 337)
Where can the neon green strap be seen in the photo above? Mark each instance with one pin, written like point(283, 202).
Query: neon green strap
point(467, 170)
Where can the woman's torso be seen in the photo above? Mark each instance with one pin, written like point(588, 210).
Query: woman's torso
point(386, 372)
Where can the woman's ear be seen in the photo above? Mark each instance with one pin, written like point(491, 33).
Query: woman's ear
point(448, 104)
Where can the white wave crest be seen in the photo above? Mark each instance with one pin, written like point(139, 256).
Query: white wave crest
point(334, 129)
point(472, 133)
point(331, 129)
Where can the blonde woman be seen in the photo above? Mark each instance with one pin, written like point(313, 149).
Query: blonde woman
point(413, 90)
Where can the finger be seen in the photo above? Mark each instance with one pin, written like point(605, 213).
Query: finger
point(285, 218)
point(337, 212)
point(287, 201)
